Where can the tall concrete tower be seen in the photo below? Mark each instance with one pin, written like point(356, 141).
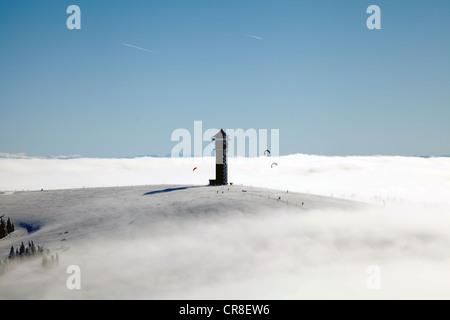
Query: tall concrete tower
point(221, 159)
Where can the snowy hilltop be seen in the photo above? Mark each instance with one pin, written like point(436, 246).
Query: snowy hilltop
point(150, 228)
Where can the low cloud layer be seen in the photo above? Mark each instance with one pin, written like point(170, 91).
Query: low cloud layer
point(133, 243)
point(363, 178)
point(25, 156)
point(276, 255)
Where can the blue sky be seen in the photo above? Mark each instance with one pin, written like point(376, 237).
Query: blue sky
point(319, 75)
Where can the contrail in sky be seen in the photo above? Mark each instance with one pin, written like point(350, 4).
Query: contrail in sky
point(254, 37)
point(135, 47)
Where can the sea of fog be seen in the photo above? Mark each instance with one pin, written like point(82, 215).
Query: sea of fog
point(187, 244)
point(378, 178)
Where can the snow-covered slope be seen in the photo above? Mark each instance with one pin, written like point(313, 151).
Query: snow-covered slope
point(74, 214)
point(157, 241)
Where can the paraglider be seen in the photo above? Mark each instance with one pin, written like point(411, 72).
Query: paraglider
point(194, 169)
point(274, 164)
point(267, 151)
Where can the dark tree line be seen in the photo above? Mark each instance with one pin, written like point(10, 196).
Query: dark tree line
point(22, 250)
point(6, 228)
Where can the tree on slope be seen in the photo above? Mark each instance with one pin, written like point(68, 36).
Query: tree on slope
point(9, 226)
point(3, 232)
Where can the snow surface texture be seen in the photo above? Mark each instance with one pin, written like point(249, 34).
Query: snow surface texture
point(168, 237)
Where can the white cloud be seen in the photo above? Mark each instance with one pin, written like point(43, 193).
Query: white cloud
point(379, 179)
point(272, 255)
point(192, 244)
point(25, 156)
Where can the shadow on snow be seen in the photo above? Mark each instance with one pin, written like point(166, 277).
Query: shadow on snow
point(169, 190)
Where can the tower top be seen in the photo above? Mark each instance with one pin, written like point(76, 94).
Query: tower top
point(221, 134)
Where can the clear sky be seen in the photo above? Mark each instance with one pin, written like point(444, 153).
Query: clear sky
point(311, 69)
